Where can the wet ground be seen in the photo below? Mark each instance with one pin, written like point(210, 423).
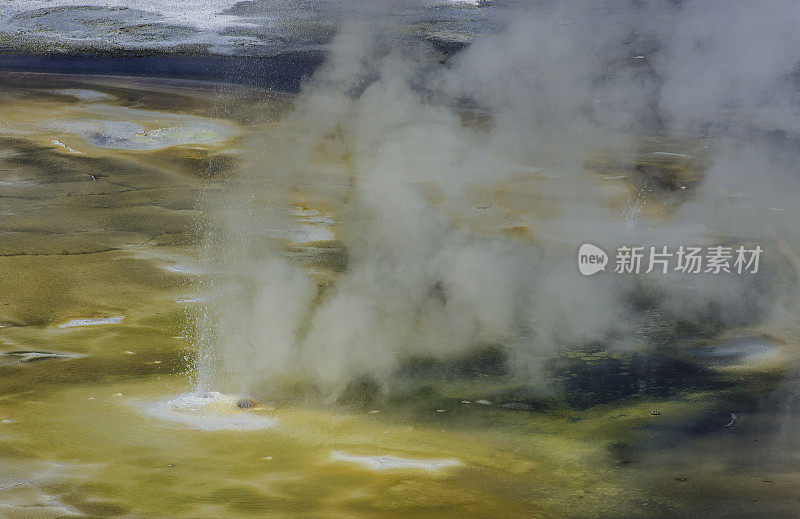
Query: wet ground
point(230, 28)
point(104, 184)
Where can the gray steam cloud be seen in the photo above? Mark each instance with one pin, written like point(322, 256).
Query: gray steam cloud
point(416, 153)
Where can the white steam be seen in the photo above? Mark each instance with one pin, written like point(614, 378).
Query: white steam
point(431, 167)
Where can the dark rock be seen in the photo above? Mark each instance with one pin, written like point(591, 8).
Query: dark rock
point(245, 403)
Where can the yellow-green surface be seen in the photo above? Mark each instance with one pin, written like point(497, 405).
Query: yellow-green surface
point(93, 232)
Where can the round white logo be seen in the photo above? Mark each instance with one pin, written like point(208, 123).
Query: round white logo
point(591, 259)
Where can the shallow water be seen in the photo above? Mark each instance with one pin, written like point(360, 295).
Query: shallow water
point(262, 27)
point(98, 410)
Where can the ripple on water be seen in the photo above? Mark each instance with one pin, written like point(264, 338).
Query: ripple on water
point(84, 94)
point(738, 350)
point(24, 356)
point(388, 462)
point(92, 322)
point(181, 269)
point(127, 135)
point(309, 234)
point(209, 411)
